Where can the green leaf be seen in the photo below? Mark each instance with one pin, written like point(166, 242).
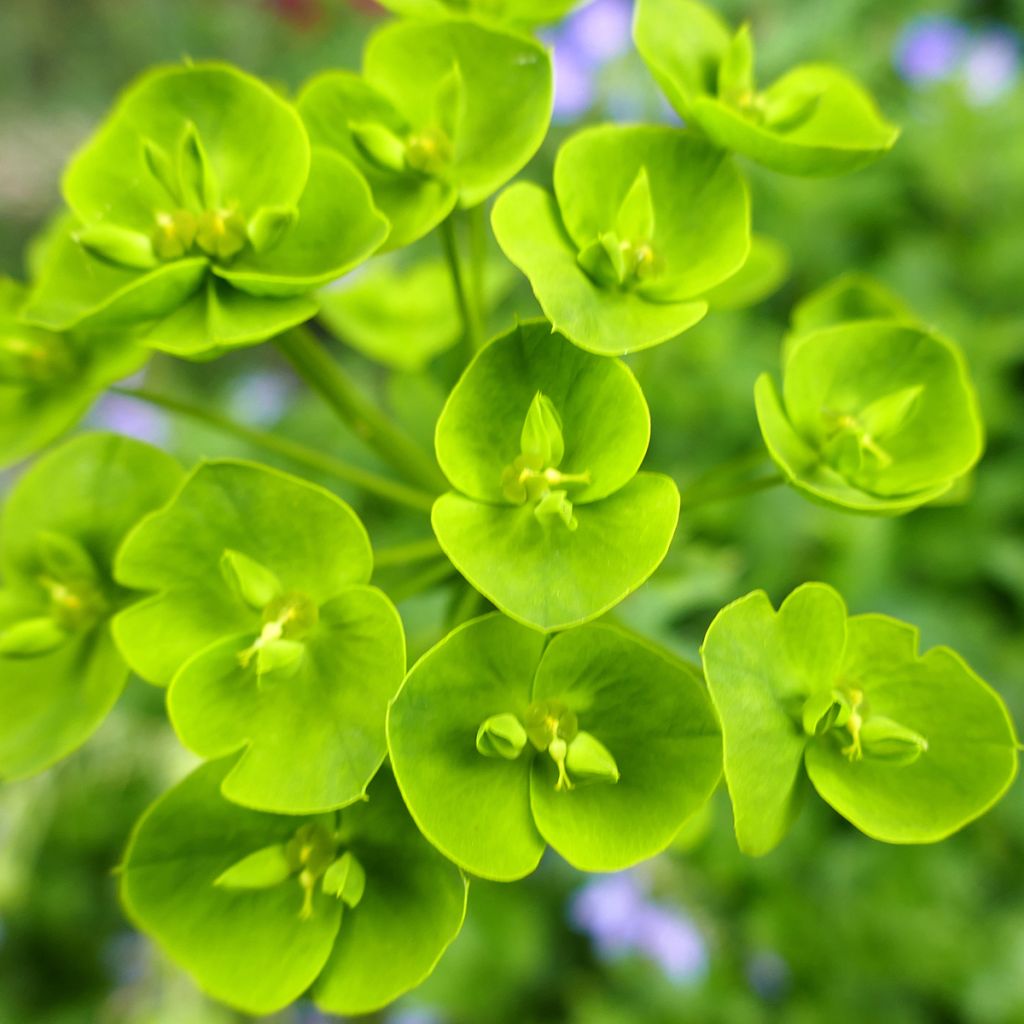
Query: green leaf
point(220, 317)
point(75, 288)
point(761, 666)
point(235, 118)
point(314, 733)
point(814, 120)
point(258, 949)
point(605, 321)
point(260, 870)
point(404, 335)
point(605, 424)
point(474, 809)
point(876, 416)
point(311, 540)
point(825, 123)
point(652, 715)
point(507, 95)
point(939, 746)
point(58, 545)
point(337, 227)
point(639, 707)
point(684, 60)
point(548, 576)
point(527, 12)
point(350, 117)
point(54, 378)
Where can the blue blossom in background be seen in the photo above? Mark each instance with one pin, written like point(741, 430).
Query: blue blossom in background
point(992, 65)
point(930, 49)
point(620, 919)
point(260, 398)
point(130, 417)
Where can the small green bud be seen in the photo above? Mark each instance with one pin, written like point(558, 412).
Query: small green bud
point(161, 167)
point(736, 70)
point(174, 234)
point(635, 219)
point(589, 760)
point(65, 558)
point(501, 736)
point(270, 225)
point(254, 583)
point(346, 879)
point(888, 414)
point(556, 506)
point(379, 145)
point(541, 438)
point(429, 152)
point(882, 739)
point(198, 184)
point(221, 233)
point(35, 357)
point(279, 657)
point(32, 638)
point(260, 870)
point(823, 711)
point(118, 245)
point(547, 719)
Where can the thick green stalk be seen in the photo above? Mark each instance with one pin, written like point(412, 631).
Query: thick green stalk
point(407, 554)
point(325, 375)
point(309, 458)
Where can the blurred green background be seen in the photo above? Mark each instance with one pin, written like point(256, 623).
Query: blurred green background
point(831, 927)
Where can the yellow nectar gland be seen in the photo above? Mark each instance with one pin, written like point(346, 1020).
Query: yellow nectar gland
point(854, 751)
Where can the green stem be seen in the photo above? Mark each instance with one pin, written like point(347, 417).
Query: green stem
point(476, 216)
point(464, 292)
point(695, 497)
point(325, 375)
point(309, 458)
point(407, 554)
point(432, 573)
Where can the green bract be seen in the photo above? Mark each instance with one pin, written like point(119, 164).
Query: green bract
point(907, 747)
point(814, 120)
point(47, 380)
point(446, 111)
point(258, 907)
point(875, 416)
point(59, 670)
point(647, 220)
point(527, 12)
point(186, 228)
point(851, 296)
point(263, 624)
point(542, 443)
point(593, 742)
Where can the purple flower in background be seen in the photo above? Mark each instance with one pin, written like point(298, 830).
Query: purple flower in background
point(930, 49)
point(615, 911)
point(608, 909)
point(992, 65)
point(130, 417)
point(673, 942)
point(600, 31)
point(260, 398)
point(412, 1015)
point(768, 974)
point(574, 84)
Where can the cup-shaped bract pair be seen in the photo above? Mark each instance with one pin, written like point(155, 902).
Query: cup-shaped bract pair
point(261, 621)
point(907, 747)
point(446, 111)
point(48, 380)
point(259, 907)
point(549, 518)
point(644, 221)
point(815, 120)
point(203, 217)
point(63, 522)
point(875, 416)
point(594, 742)
point(513, 12)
